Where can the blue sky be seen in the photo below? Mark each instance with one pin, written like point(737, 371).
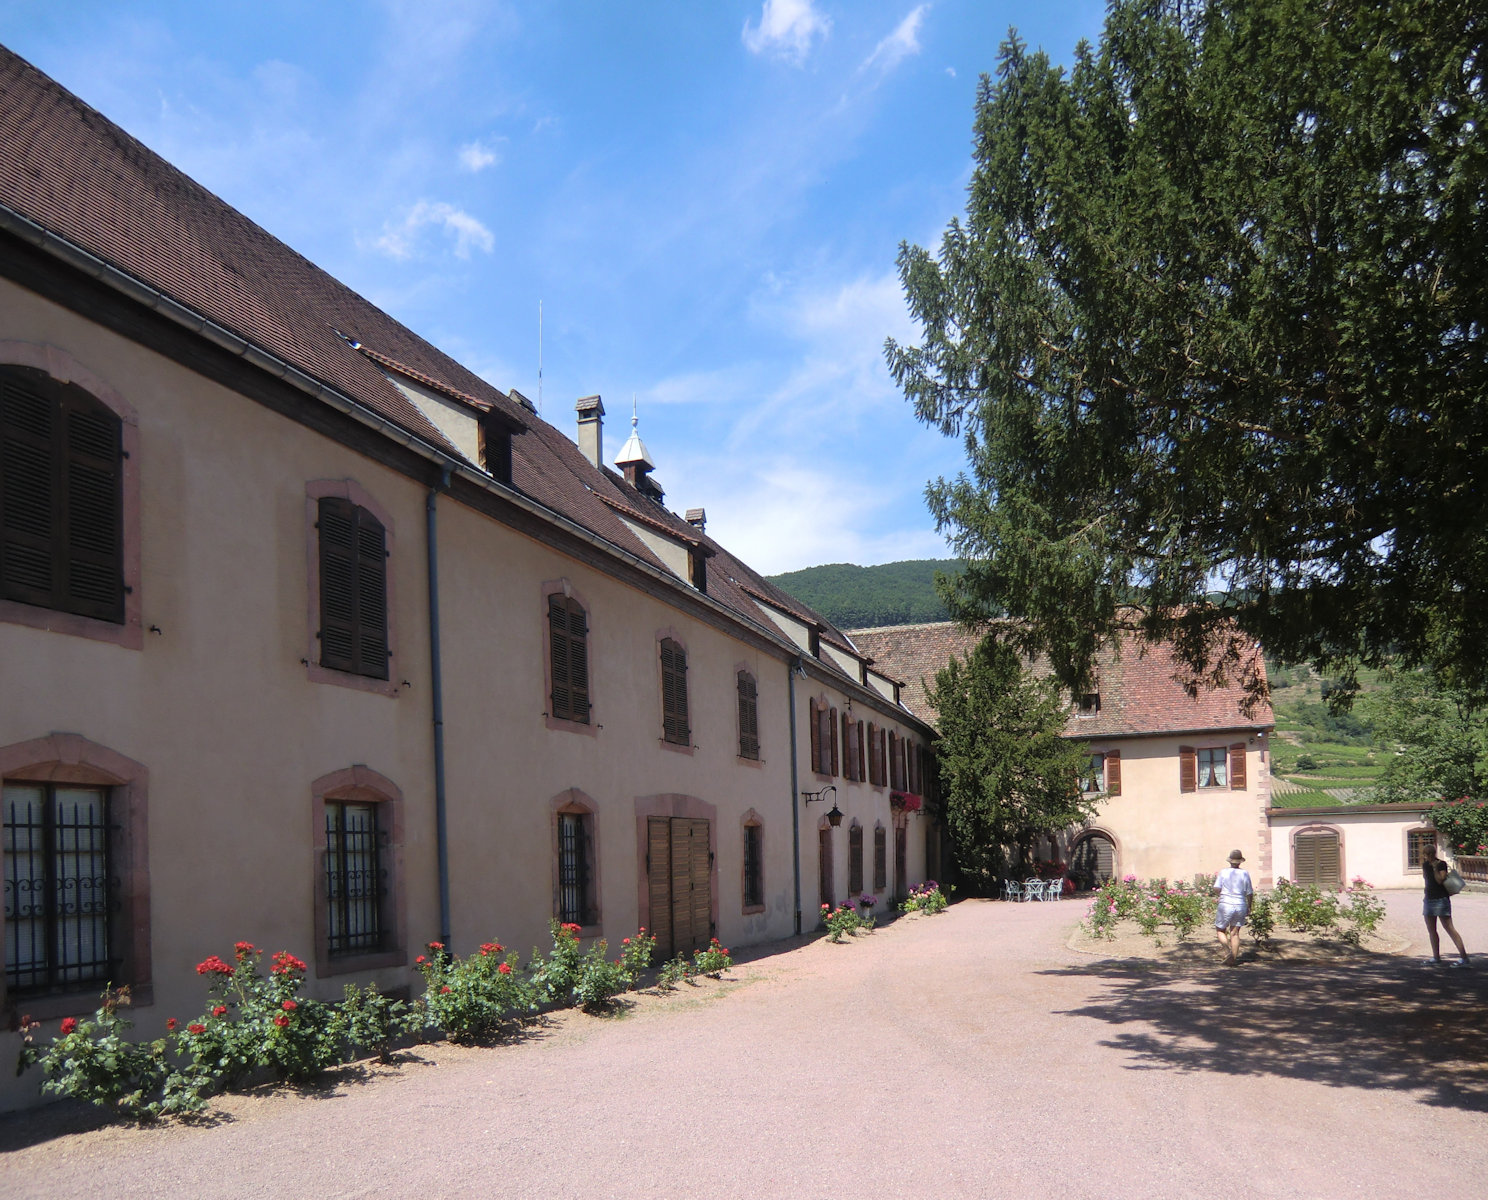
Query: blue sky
point(706, 197)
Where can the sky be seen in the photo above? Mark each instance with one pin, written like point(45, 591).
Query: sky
point(705, 198)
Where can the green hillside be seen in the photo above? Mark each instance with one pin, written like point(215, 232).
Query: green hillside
point(853, 597)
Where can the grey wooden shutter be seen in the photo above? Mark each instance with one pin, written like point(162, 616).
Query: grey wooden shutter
point(1188, 769)
point(748, 717)
point(1237, 767)
point(1113, 772)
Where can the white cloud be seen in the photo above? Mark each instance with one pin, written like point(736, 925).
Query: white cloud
point(951, 71)
point(899, 45)
point(478, 155)
point(786, 29)
point(398, 240)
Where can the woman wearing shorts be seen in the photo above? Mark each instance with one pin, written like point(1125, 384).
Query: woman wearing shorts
point(1235, 894)
point(1438, 906)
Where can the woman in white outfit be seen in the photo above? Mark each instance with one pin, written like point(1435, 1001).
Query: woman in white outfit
point(1235, 895)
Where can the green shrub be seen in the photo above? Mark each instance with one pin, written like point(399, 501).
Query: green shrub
point(473, 999)
point(636, 954)
point(368, 1022)
point(926, 898)
point(554, 977)
point(1464, 825)
point(840, 921)
point(712, 960)
point(599, 980)
point(1262, 920)
point(679, 970)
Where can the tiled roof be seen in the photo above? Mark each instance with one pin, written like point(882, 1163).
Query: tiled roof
point(68, 169)
point(1140, 692)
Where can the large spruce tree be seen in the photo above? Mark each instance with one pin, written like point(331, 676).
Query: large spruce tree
point(1213, 331)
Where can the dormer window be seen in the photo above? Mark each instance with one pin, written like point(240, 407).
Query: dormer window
point(1089, 705)
point(496, 448)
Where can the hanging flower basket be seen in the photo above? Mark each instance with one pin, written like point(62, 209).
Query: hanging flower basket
point(905, 802)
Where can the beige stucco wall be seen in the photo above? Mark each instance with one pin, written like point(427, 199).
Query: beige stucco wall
point(1161, 831)
point(1372, 845)
point(218, 704)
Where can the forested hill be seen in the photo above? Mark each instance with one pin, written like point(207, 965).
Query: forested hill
point(853, 597)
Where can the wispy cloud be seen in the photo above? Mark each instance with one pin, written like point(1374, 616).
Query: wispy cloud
point(786, 30)
point(899, 45)
point(478, 155)
point(399, 239)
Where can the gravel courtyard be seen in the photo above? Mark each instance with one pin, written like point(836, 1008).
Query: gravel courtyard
point(969, 1054)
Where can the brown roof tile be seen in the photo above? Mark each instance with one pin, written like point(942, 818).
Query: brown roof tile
point(1140, 688)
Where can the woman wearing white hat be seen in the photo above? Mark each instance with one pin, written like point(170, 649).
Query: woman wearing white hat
point(1235, 894)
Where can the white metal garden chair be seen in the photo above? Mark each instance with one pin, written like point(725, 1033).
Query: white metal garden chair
point(1054, 889)
point(1011, 890)
point(1033, 889)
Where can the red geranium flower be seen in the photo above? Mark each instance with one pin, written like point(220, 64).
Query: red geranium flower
point(213, 965)
point(436, 945)
point(625, 941)
point(289, 1006)
point(220, 1010)
point(285, 962)
point(504, 968)
point(444, 991)
point(243, 948)
point(69, 1025)
point(281, 1021)
point(421, 959)
point(171, 1023)
point(196, 1028)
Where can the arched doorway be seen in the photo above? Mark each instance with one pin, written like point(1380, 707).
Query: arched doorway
point(1092, 860)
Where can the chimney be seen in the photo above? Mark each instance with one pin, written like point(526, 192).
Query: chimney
point(591, 429)
point(698, 517)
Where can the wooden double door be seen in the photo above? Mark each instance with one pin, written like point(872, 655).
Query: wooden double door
point(679, 882)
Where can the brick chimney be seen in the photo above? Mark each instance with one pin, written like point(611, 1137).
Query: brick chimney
point(591, 429)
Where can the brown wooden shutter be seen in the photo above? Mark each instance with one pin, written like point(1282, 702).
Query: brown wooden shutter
point(338, 590)
point(61, 497)
point(873, 753)
point(659, 881)
point(675, 726)
point(825, 885)
point(569, 658)
point(854, 862)
point(578, 660)
point(893, 760)
point(883, 757)
point(847, 748)
point(562, 698)
point(748, 717)
point(880, 860)
point(1188, 769)
point(862, 751)
point(1113, 772)
point(836, 759)
point(1237, 767)
point(816, 740)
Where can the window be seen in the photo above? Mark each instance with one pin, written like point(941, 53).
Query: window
point(356, 881)
point(1213, 764)
point(1417, 842)
point(855, 861)
point(1094, 778)
point(353, 589)
point(754, 866)
point(574, 887)
point(880, 859)
point(1212, 767)
point(568, 653)
point(675, 728)
point(61, 497)
point(60, 887)
point(1089, 705)
point(749, 746)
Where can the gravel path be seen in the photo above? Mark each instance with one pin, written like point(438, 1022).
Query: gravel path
point(969, 1054)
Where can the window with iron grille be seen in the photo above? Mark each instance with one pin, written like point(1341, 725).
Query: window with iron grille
point(754, 866)
point(675, 727)
point(60, 889)
point(1417, 842)
point(61, 497)
point(880, 859)
point(356, 881)
point(575, 889)
point(568, 656)
point(353, 589)
point(749, 746)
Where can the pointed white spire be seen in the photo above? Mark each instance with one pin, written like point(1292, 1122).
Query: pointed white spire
point(634, 450)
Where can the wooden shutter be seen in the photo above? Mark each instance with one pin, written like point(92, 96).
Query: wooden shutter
point(1188, 769)
point(578, 660)
point(568, 643)
point(700, 881)
point(353, 589)
point(675, 728)
point(901, 862)
point(1316, 861)
point(854, 862)
point(836, 760)
point(893, 760)
point(1113, 772)
point(873, 754)
point(1237, 767)
point(847, 747)
point(748, 716)
point(824, 882)
point(880, 860)
point(659, 881)
point(816, 740)
point(883, 757)
point(862, 751)
point(61, 497)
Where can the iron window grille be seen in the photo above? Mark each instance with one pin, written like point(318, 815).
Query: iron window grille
point(356, 881)
point(60, 887)
point(1418, 841)
point(754, 867)
point(573, 869)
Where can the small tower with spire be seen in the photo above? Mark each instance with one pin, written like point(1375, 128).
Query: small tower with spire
point(635, 461)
